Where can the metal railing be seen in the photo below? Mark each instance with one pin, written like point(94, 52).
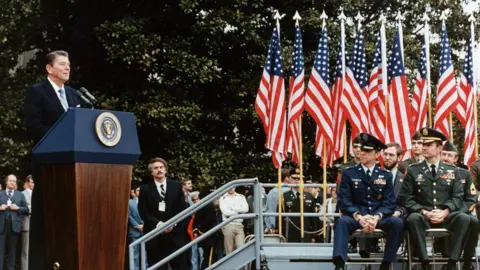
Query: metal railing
point(257, 215)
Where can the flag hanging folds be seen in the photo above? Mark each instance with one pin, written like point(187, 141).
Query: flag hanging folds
point(377, 95)
point(446, 89)
point(339, 119)
point(465, 106)
point(399, 124)
point(420, 92)
point(355, 95)
point(318, 99)
point(270, 101)
point(296, 98)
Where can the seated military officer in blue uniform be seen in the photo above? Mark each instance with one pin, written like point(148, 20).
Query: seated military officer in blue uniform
point(367, 201)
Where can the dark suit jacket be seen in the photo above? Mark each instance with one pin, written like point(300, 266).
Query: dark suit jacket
point(148, 203)
point(43, 108)
point(397, 186)
point(19, 199)
point(133, 219)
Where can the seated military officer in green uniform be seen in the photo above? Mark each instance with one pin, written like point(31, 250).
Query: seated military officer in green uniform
point(432, 193)
point(470, 197)
point(291, 204)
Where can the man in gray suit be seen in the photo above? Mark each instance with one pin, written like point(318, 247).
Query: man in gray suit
point(12, 206)
point(27, 192)
point(135, 225)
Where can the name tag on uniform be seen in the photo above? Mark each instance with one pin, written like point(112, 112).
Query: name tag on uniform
point(356, 180)
point(380, 182)
point(161, 206)
point(420, 178)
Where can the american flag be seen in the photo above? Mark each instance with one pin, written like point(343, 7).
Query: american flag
point(339, 119)
point(465, 106)
point(446, 89)
point(399, 124)
point(270, 101)
point(296, 99)
point(420, 92)
point(355, 96)
point(318, 99)
point(377, 94)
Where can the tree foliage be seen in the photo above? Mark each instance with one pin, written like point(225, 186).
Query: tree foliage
point(189, 70)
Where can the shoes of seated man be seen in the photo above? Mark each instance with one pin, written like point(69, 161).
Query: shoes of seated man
point(352, 249)
point(467, 266)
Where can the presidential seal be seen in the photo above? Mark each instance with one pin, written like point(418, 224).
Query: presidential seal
point(108, 129)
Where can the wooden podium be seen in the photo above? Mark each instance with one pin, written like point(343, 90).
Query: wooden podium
point(86, 171)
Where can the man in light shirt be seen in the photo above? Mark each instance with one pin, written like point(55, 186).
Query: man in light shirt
point(232, 204)
point(272, 201)
point(27, 192)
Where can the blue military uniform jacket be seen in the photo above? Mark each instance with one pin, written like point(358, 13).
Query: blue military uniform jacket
point(359, 193)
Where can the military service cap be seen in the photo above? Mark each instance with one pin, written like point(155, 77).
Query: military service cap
point(432, 135)
point(357, 141)
point(370, 142)
point(450, 147)
point(417, 136)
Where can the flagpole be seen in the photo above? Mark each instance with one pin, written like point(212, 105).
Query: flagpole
point(400, 18)
point(324, 159)
point(278, 17)
point(342, 41)
point(297, 18)
point(426, 36)
point(475, 119)
point(383, 47)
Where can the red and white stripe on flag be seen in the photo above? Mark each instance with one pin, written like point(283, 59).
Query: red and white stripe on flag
point(465, 106)
point(339, 117)
point(420, 92)
point(446, 90)
point(399, 124)
point(270, 101)
point(296, 99)
point(318, 100)
point(376, 95)
point(355, 96)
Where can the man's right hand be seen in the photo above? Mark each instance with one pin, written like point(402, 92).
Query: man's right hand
point(140, 227)
point(364, 222)
point(397, 213)
point(3, 207)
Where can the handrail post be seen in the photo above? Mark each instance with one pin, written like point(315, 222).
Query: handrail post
point(258, 222)
point(143, 256)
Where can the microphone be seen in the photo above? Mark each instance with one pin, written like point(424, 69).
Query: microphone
point(83, 97)
point(86, 93)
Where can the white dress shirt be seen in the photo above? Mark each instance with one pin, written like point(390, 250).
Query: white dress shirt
point(232, 205)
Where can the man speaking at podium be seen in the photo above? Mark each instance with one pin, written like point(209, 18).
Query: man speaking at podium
point(45, 102)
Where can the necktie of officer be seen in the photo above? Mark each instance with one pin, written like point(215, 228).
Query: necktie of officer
point(9, 194)
point(434, 173)
point(369, 173)
point(298, 195)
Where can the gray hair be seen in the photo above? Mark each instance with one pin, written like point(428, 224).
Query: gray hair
point(195, 194)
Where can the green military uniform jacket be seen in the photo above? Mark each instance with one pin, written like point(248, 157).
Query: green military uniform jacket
point(291, 204)
point(421, 190)
point(469, 190)
point(475, 170)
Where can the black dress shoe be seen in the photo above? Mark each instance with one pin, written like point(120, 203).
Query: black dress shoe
point(352, 249)
point(467, 266)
